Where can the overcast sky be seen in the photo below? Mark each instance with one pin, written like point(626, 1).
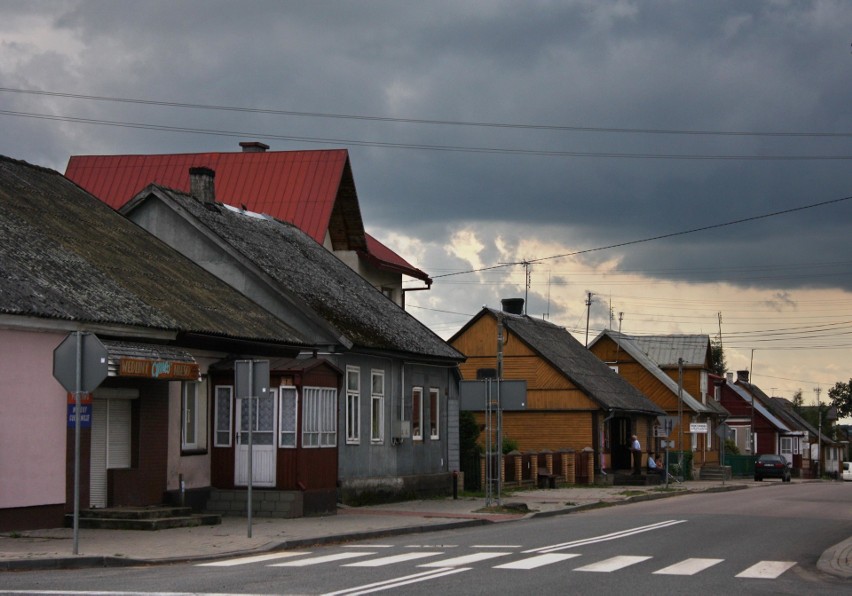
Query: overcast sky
point(483, 133)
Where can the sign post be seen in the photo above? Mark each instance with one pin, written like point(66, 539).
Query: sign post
point(80, 365)
point(251, 378)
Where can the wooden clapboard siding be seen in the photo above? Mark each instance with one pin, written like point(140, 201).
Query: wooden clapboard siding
point(547, 387)
point(535, 431)
point(635, 374)
point(559, 399)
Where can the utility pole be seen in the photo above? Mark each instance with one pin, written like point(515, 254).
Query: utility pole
point(620, 317)
point(680, 414)
point(720, 329)
point(751, 392)
point(588, 312)
point(817, 390)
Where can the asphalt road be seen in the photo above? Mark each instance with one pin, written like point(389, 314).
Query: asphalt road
point(745, 542)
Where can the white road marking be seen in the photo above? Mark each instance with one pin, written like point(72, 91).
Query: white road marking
point(464, 560)
point(111, 593)
point(496, 545)
point(397, 582)
point(606, 537)
point(254, 559)
point(368, 546)
point(537, 561)
point(766, 569)
point(612, 564)
point(322, 559)
point(688, 567)
point(394, 559)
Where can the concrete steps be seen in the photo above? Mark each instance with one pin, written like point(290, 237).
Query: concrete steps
point(143, 518)
point(628, 479)
point(265, 503)
point(714, 473)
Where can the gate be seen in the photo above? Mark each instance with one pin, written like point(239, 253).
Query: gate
point(581, 468)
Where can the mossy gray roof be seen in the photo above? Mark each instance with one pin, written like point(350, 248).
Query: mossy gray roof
point(66, 255)
point(315, 277)
point(578, 364)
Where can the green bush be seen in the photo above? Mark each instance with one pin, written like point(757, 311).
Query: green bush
point(509, 445)
point(675, 465)
point(731, 447)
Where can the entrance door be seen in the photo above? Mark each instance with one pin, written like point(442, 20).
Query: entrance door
point(619, 437)
point(110, 445)
point(787, 449)
point(264, 410)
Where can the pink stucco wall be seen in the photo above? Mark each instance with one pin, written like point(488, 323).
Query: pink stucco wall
point(32, 421)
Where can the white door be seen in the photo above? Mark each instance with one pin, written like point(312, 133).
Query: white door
point(787, 449)
point(264, 410)
point(110, 445)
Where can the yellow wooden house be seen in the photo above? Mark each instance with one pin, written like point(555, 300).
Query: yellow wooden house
point(574, 401)
point(673, 371)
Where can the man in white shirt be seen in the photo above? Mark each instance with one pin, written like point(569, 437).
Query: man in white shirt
point(636, 448)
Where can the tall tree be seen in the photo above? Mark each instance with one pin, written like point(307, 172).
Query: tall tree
point(798, 401)
point(841, 398)
point(718, 366)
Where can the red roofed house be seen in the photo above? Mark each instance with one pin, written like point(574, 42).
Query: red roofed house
point(314, 190)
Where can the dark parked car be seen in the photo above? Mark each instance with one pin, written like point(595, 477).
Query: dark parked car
point(769, 465)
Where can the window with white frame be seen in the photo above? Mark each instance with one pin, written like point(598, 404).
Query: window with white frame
point(434, 409)
point(223, 415)
point(416, 413)
point(288, 415)
point(377, 406)
point(189, 416)
point(694, 439)
point(786, 448)
point(353, 405)
point(319, 417)
point(708, 438)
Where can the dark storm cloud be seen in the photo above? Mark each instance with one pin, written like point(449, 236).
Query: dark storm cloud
point(709, 66)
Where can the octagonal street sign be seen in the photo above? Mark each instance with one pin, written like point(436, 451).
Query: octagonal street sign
point(93, 362)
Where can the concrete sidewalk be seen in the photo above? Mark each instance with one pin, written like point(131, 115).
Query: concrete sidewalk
point(53, 549)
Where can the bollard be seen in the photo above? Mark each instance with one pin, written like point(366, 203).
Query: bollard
point(455, 484)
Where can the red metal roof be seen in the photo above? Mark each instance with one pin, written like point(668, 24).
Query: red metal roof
point(388, 259)
point(299, 187)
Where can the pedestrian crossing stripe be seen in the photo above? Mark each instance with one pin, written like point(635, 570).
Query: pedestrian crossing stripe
point(465, 559)
point(254, 559)
point(322, 559)
point(382, 561)
point(687, 567)
point(612, 564)
point(766, 570)
point(537, 561)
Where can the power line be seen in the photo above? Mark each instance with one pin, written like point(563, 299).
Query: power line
point(424, 147)
point(663, 236)
point(554, 127)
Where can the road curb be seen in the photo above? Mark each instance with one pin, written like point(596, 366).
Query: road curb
point(103, 561)
point(837, 560)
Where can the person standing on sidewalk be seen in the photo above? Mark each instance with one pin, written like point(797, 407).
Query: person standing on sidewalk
point(636, 448)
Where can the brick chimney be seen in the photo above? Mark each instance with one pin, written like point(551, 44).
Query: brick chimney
point(253, 147)
point(201, 185)
point(513, 306)
point(742, 375)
